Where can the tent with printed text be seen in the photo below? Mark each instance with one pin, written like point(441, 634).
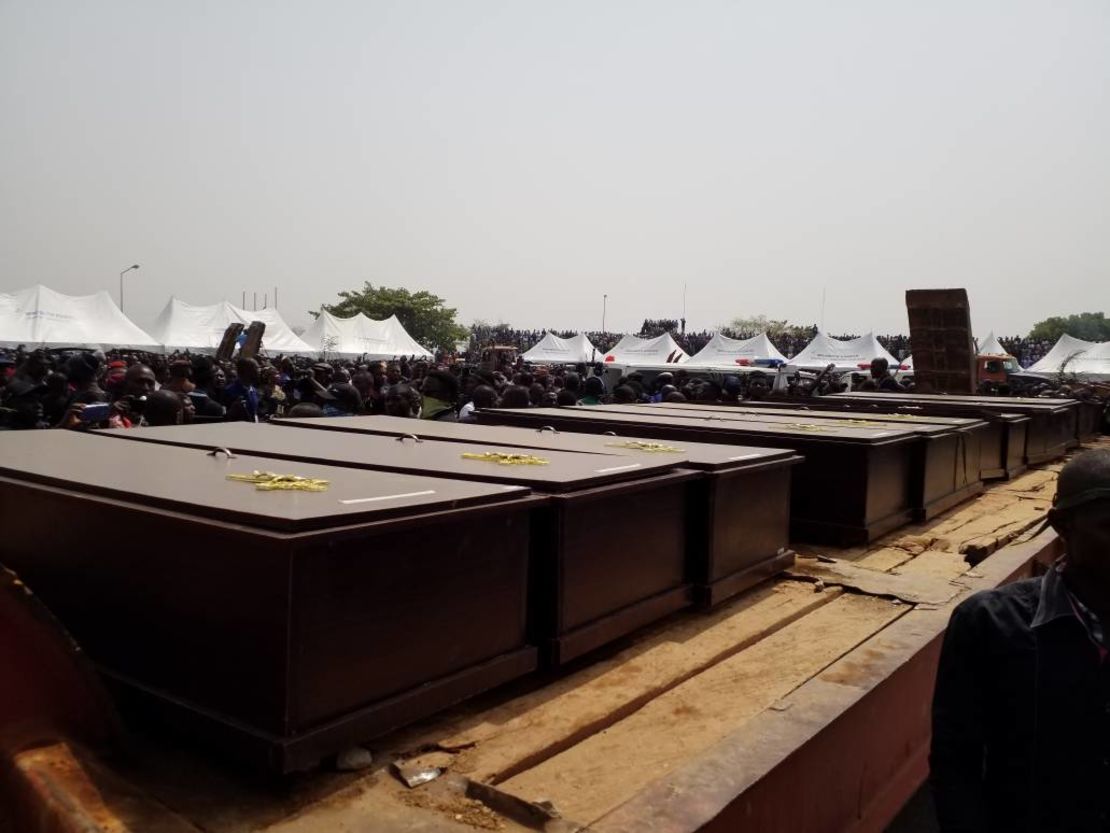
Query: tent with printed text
point(722, 351)
point(647, 351)
point(850, 354)
point(41, 317)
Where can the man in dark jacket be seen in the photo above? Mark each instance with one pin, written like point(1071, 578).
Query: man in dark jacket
point(1021, 713)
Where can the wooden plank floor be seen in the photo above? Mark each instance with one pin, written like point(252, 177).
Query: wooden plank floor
point(589, 741)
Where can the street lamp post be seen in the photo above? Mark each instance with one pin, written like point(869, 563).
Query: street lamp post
point(604, 305)
point(121, 274)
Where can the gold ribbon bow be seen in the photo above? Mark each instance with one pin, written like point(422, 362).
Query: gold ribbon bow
point(503, 459)
point(267, 481)
point(651, 448)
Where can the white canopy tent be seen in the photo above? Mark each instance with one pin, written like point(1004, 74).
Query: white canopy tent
point(1093, 364)
point(853, 354)
point(182, 326)
point(1062, 355)
point(554, 350)
point(41, 317)
point(991, 346)
point(634, 350)
point(359, 336)
point(722, 351)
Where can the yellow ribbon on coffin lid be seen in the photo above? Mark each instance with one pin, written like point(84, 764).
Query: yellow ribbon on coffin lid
point(503, 459)
point(267, 481)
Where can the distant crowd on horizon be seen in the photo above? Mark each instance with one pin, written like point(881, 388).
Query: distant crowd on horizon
point(790, 342)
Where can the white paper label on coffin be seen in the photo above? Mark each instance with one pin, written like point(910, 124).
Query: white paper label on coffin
point(388, 497)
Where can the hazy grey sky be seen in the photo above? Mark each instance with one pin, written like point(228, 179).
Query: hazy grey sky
point(523, 158)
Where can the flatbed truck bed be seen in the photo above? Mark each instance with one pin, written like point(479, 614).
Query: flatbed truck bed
point(800, 705)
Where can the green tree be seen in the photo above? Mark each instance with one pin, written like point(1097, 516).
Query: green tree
point(423, 314)
point(1089, 326)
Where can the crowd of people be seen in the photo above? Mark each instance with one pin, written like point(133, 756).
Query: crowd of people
point(83, 390)
point(1028, 351)
point(90, 390)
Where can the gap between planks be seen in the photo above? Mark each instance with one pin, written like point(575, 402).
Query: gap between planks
point(522, 733)
point(607, 768)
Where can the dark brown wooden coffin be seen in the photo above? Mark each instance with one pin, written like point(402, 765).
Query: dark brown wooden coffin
point(737, 511)
point(855, 483)
point(588, 589)
point(1001, 441)
point(1092, 414)
point(950, 456)
point(280, 627)
point(1053, 423)
point(946, 462)
point(1007, 445)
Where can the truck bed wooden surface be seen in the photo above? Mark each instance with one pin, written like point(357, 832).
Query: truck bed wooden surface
point(704, 722)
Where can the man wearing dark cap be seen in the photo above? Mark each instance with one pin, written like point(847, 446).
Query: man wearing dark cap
point(1021, 713)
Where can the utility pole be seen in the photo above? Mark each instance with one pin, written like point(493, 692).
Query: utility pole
point(121, 274)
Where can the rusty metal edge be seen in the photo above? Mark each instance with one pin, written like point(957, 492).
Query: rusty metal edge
point(779, 772)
